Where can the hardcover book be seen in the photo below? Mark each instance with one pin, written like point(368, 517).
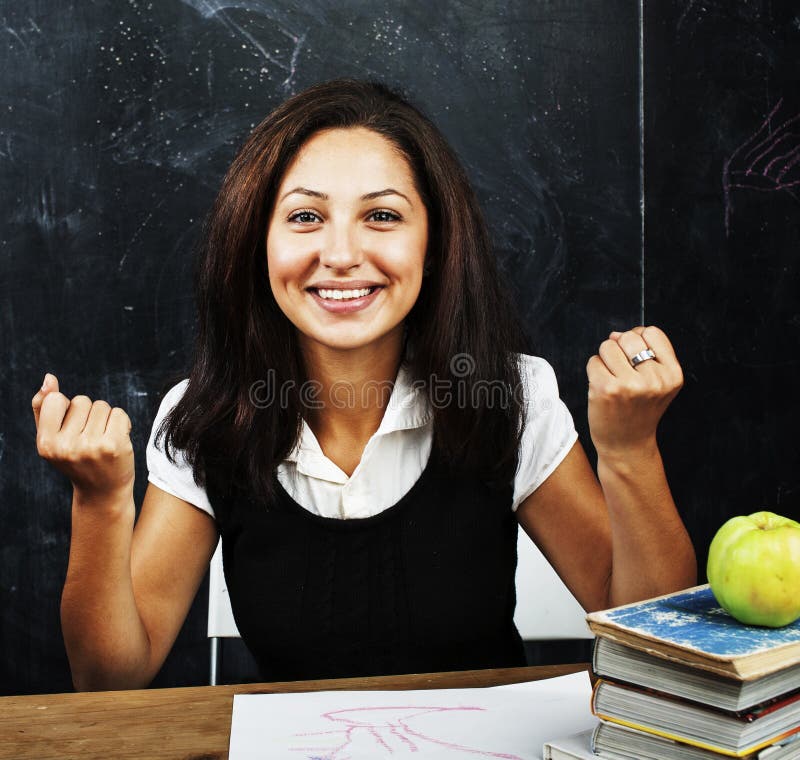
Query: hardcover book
point(575, 747)
point(690, 628)
point(616, 742)
point(619, 662)
point(728, 733)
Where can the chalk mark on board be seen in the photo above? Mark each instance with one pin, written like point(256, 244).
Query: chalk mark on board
point(219, 9)
point(16, 37)
point(768, 161)
point(686, 11)
point(386, 728)
point(298, 44)
point(33, 28)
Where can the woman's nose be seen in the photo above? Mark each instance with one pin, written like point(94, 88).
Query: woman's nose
point(341, 248)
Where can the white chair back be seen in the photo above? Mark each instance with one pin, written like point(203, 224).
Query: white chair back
point(545, 607)
point(220, 616)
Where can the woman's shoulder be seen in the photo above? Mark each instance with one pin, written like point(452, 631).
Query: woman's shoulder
point(175, 392)
point(537, 374)
point(534, 363)
point(170, 399)
point(549, 431)
point(174, 475)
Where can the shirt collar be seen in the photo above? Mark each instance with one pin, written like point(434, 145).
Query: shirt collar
point(408, 408)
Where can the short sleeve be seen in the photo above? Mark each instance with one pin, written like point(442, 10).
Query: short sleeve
point(549, 431)
point(176, 479)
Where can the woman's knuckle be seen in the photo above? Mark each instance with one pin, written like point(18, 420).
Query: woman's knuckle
point(44, 446)
point(108, 449)
point(63, 451)
point(54, 397)
point(83, 446)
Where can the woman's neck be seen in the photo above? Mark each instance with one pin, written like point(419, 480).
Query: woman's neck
point(352, 388)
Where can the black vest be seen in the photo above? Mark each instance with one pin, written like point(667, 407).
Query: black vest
point(426, 585)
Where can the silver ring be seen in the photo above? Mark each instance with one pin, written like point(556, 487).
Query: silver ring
point(643, 356)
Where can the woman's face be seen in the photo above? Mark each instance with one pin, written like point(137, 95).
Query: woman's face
point(346, 240)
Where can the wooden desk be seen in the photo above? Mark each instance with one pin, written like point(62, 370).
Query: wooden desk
point(188, 723)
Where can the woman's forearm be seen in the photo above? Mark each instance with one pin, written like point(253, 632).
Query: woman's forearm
point(107, 644)
point(652, 551)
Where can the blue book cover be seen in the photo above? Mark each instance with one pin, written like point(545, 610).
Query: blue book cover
point(691, 626)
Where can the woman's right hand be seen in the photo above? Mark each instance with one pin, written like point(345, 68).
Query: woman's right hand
point(87, 441)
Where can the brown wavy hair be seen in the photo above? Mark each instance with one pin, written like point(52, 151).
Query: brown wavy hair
point(463, 313)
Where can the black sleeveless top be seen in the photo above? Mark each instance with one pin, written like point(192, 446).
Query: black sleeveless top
point(426, 585)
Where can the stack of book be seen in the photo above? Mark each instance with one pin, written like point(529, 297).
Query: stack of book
point(680, 678)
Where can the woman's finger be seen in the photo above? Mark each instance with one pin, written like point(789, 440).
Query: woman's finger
point(632, 344)
point(51, 414)
point(655, 338)
point(49, 385)
point(119, 424)
point(615, 358)
point(77, 415)
point(97, 420)
point(659, 342)
point(597, 373)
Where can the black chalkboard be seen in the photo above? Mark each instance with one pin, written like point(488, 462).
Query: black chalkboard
point(118, 120)
point(722, 236)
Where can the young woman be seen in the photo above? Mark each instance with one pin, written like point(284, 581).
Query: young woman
point(362, 427)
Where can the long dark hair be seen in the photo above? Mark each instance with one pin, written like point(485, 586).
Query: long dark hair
point(463, 328)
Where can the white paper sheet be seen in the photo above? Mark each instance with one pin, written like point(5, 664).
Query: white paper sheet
point(508, 722)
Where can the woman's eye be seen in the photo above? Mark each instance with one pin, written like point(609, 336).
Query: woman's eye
point(304, 217)
point(382, 215)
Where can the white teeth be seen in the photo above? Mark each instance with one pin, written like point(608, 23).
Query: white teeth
point(342, 295)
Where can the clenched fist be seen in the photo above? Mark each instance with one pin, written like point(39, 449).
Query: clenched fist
point(626, 402)
point(87, 441)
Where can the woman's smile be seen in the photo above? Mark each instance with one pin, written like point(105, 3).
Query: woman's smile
point(345, 301)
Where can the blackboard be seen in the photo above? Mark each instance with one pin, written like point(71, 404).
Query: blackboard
point(722, 236)
point(119, 119)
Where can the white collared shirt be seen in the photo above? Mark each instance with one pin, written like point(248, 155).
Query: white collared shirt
point(394, 456)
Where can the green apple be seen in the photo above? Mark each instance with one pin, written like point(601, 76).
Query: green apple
point(754, 569)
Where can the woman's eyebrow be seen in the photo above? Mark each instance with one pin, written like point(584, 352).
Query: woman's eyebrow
point(366, 197)
point(305, 191)
point(387, 191)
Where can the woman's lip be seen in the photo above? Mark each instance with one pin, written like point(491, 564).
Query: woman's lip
point(345, 306)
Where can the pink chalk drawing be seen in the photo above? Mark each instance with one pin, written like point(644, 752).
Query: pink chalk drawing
point(387, 730)
point(768, 161)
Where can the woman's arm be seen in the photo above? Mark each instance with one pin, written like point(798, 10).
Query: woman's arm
point(127, 590)
point(622, 539)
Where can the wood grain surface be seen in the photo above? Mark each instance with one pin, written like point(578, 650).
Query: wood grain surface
point(184, 723)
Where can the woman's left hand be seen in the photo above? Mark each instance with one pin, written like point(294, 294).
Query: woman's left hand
point(627, 402)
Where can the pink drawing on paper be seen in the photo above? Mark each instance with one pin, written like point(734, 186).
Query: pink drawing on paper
point(768, 161)
point(388, 731)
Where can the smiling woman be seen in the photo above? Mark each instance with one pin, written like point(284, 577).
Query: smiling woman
point(368, 503)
